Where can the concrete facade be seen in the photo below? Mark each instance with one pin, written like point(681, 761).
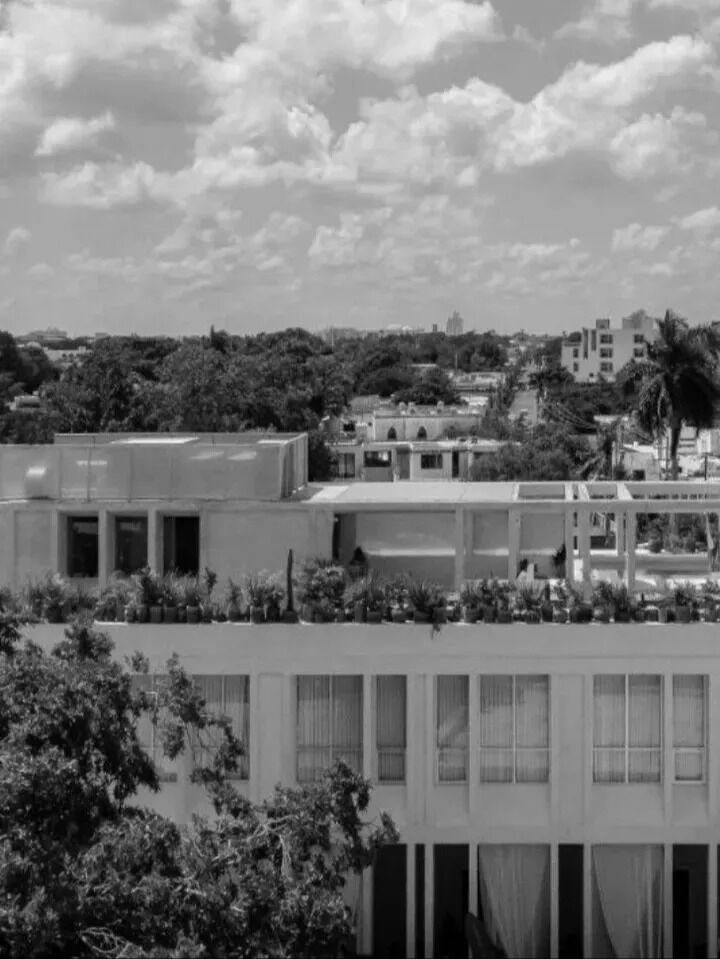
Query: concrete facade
point(602, 351)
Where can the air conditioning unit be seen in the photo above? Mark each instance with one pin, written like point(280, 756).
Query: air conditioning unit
point(39, 482)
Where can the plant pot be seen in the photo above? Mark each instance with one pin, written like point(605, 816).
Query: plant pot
point(440, 615)
point(170, 614)
point(398, 615)
point(374, 616)
point(547, 611)
point(504, 616)
point(129, 613)
point(532, 617)
point(622, 616)
point(142, 613)
point(156, 615)
point(119, 612)
point(257, 614)
point(575, 614)
point(560, 614)
point(683, 614)
point(639, 615)
point(307, 613)
point(663, 614)
point(421, 617)
point(601, 614)
point(106, 615)
point(489, 613)
point(272, 614)
point(290, 616)
point(206, 613)
point(52, 613)
point(341, 616)
point(182, 614)
point(360, 612)
point(652, 614)
point(192, 614)
point(471, 614)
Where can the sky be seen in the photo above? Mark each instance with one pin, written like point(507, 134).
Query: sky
point(167, 165)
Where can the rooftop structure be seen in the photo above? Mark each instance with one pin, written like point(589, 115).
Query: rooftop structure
point(602, 351)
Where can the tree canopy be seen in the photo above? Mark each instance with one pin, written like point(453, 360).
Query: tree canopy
point(86, 870)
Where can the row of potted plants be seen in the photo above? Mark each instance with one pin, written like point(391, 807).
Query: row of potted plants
point(327, 592)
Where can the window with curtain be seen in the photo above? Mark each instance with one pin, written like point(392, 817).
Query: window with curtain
point(627, 901)
point(150, 734)
point(514, 886)
point(452, 729)
point(627, 729)
point(514, 729)
point(689, 728)
point(224, 696)
point(329, 724)
point(391, 709)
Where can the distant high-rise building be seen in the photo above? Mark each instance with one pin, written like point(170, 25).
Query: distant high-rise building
point(454, 325)
point(434, 327)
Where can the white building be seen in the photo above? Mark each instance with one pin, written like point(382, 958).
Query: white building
point(602, 351)
point(555, 780)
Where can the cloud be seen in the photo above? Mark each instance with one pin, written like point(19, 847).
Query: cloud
point(99, 187)
point(73, 133)
point(604, 22)
point(702, 220)
point(656, 144)
point(16, 239)
point(634, 236)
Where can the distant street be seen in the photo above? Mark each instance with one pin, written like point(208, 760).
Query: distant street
point(526, 401)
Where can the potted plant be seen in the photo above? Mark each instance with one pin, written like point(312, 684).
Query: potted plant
point(500, 592)
point(424, 596)
point(579, 610)
point(233, 601)
point(106, 605)
point(395, 589)
point(191, 597)
point(527, 600)
point(55, 598)
point(355, 599)
point(622, 603)
point(547, 608)
point(146, 593)
point(684, 602)
point(471, 598)
point(710, 598)
point(32, 598)
point(255, 591)
point(274, 596)
point(602, 597)
point(321, 581)
point(374, 597)
point(560, 596)
point(208, 582)
point(170, 597)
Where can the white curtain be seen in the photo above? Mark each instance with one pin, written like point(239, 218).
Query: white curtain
point(496, 729)
point(515, 893)
point(644, 728)
point(609, 729)
point(689, 728)
point(390, 731)
point(532, 731)
point(452, 728)
point(629, 900)
point(224, 696)
point(329, 724)
point(313, 727)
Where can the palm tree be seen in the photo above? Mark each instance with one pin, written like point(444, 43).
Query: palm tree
point(677, 385)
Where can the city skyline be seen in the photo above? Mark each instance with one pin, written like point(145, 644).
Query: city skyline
point(263, 165)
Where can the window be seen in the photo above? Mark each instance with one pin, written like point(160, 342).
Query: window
point(638, 338)
point(131, 535)
point(514, 729)
point(606, 367)
point(452, 729)
point(181, 544)
point(377, 458)
point(627, 745)
point(224, 696)
point(346, 465)
point(390, 732)
point(638, 353)
point(392, 433)
point(329, 724)
point(576, 367)
point(576, 353)
point(606, 338)
point(431, 461)
point(82, 546)
point(606, 353)
point(689, 725)
point(150, 734)
point(593, 340)
point(422, 433)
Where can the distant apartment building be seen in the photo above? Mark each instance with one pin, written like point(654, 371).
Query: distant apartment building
point(601, 352)
point(454, 325)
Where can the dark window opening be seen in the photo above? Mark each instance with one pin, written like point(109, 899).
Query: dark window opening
point(422, 433)
point(419, 901)
point(181, 544)
point(451, 899)
point(431, 461)
point(392, 433)
point(389, 902)
point(377, 458)
point(570, 899)
point(131, 536)
point(455, 464)
point(82, 546)
point(690, 866)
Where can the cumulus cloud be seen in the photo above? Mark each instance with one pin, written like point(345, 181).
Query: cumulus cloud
point(16, 239)
point(605, 21)
point(634, 236)
point(99, 186)
point(73, 133)
point(701, 220)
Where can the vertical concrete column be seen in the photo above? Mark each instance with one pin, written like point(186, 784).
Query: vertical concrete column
point(668, 771)
point(429, 898)
point(554, 902)
point(104, 561)
point(712, 909)
point(254, 745)
point(414, 749)
point(667, 901)
point(154, 556)
point(368, 726)
point(459, 546)
point(570, 544)
point(57, 541)
point(584, 548)
point(410, 901)
point(473, 784)
point(366, 904)
point(11, 549)
point(588, 693)
point(587, 901)
point(630, 544)
point(430, 751)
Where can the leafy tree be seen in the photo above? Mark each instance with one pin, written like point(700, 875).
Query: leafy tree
point(434, 387)
point(546, 453)
point(85, 870)
point(677, 385)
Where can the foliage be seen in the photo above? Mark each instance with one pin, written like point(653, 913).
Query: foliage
point(546, 453)
point(433, 388)
point(424, 595)
point(84, 870)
